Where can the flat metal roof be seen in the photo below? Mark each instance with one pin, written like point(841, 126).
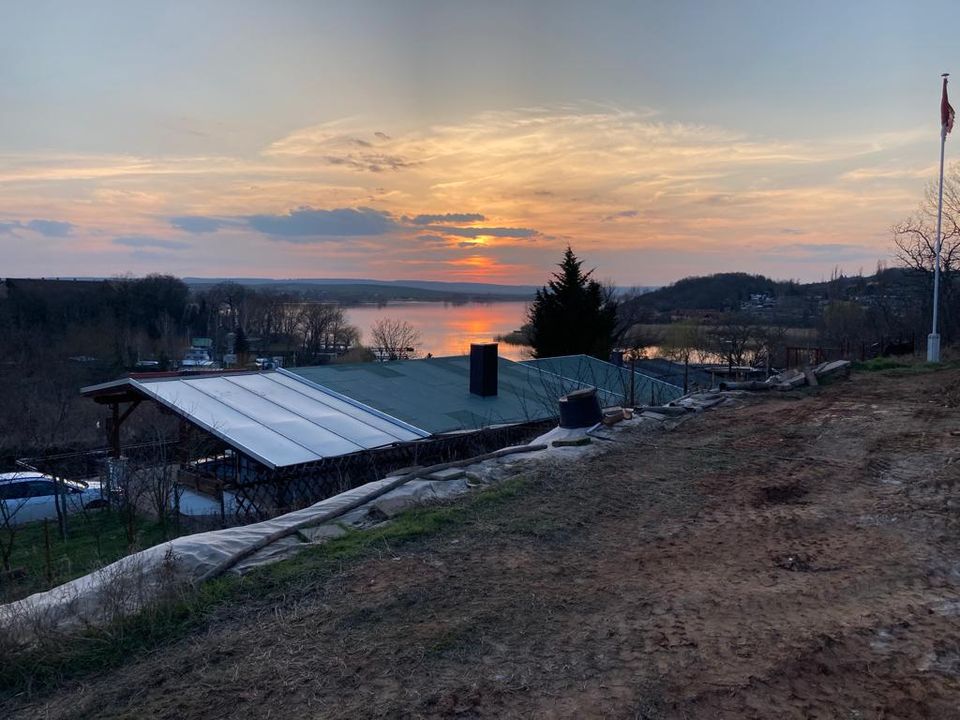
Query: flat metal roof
point(434, 393)
point(274, 417)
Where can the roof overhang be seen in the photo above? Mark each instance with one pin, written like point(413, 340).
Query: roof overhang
point(278, 419)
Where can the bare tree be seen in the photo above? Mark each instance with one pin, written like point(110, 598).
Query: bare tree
point(8, 527)
point(634, 331)
point(394, 339)
point(323, 328)
point(843, 322)
point(680, 342)
point(156, 475)
point(736, 338)
point(915, 239)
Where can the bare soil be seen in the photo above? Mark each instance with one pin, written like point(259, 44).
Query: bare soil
point(796, 556)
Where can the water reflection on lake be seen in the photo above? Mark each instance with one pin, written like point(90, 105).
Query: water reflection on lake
point(447, 329)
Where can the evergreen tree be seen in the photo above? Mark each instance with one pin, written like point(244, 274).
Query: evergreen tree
point(241, 346)
point(572, 315)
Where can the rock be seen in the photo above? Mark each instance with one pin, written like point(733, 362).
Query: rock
point(671, 410)
point(611, 416)
point(448, 474)
point(833, 369)
point(322, 532)
point(755, 385)
point(794, 381)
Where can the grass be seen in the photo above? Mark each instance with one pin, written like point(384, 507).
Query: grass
point(904, 365)
point(408, 526)
point(880, 363)
point(61, 657)
point(94, 539)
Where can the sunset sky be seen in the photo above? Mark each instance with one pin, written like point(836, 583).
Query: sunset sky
point(465, 140)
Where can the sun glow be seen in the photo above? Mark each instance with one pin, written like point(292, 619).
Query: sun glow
point(537, 179)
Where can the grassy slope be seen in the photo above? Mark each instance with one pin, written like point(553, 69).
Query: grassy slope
point(59, 658)
point(94, 539)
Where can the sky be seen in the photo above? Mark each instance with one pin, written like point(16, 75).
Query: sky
point(465, 141)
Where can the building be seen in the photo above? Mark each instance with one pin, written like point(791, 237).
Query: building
point(435, 393)
point(261, 443)
point(270, 440)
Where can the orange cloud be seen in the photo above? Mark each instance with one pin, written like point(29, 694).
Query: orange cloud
point(612, 182)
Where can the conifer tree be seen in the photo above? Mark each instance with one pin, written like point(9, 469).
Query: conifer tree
point(572, 314)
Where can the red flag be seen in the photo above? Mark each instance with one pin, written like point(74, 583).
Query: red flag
point(946, 112)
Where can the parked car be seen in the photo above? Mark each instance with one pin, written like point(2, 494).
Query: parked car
point(31, 496)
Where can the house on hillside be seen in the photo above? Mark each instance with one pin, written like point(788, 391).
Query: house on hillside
point(260, 443)
point(437, 394)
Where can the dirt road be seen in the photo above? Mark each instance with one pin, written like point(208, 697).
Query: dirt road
point(794, 557)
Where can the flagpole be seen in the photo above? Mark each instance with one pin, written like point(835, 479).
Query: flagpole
point(933, 339)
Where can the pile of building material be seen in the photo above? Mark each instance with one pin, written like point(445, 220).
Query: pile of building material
point(794, 378)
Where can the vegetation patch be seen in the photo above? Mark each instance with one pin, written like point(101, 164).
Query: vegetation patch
point(880, 363)
point(904, 365)
point(41, 559)
point(57, 657)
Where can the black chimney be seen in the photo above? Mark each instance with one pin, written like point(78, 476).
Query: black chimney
point(483, 369)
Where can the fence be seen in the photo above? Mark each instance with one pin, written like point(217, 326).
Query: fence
point(260, 493)
point(248, 491)
point(797, 356)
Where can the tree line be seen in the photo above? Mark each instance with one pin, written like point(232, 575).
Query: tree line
point(59, 335)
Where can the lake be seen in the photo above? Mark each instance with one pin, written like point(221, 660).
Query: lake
point(448, 329)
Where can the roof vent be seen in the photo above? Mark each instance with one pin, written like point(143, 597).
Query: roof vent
point(483, 369)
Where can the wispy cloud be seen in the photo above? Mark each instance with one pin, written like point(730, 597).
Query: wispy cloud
point(304, 224)
point(196, 223)
point(623, 214)
point(48, 228)
point(139, 241)
point(475, 232)
point(622, 184)
point(447, 218)
point(333, 144)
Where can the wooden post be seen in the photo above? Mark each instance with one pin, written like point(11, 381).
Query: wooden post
point(114, 430)
point(48, 560)
point(59, 500)
point(116, 420)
